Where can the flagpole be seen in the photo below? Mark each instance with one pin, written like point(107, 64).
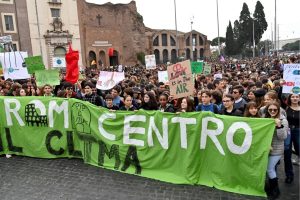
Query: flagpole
point(218, 27)
point(177, 53)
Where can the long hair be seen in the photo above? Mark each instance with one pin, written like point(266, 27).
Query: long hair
point(152, 104)
point(190, 104)
point(250, 105)
point(272, 104)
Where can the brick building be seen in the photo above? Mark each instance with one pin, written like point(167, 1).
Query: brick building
point(14, 22)
point(113, 34)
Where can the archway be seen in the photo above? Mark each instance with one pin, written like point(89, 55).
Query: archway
point(92, 57)
point(195, 52)
point(165, 56)
point(188, 53)
point(60, 52)
point(173, 56)
point(157, 56)
point(114, 59)
point(201, 53)
point(102, 60)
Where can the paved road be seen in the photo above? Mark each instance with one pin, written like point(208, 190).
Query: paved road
point(24, 178)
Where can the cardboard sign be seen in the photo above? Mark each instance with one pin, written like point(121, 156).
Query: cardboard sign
point(34, 63)
point(181, 81)
point(182, 86)
point(150, 62)
point(107, 80)
point(50, 77)
point(291, 77)
point(13, 64)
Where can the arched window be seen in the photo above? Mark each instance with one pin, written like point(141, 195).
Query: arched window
point(188, 53)
point(187, 41)
point(173, 56)
point(60, 52)
point(165, 56)
point(156, 41)
point(194, 39)
point(201, 41)
point(92, 57)
point(164, 39)
point(173, 42)
point(157, 56)
point(102, 60)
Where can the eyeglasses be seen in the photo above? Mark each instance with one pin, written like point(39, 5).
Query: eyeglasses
point(272, 110)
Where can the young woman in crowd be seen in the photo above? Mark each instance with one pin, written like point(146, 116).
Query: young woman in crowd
point(128, 104)
point(206, 104)
point(216, 98)
point(164, 106)
point(21, 92)
point(187, 105)
point(271, 97)
point(149, 102)
point(293, 117)
point(251, 110)
point(251, 95)
point(277, 146)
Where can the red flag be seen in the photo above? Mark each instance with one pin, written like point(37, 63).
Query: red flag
point(110, 52)
point(72, 58)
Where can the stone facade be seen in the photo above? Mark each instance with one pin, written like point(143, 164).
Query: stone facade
point(20, 35)
point(53, 25)
point(117, 26)
point(120, 27)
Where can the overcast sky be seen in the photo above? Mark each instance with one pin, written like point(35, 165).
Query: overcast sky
point(159, 14)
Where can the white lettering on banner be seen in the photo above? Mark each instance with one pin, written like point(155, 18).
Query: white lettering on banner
point(247, 140)
point(8, 110)
point(163, 140)
point(63, 107)
point(130, 130)
point(211, 133)
point(39, 105)
point(102, 131)
point(183, 122)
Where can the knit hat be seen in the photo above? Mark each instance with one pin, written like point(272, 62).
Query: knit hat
point(259, 93)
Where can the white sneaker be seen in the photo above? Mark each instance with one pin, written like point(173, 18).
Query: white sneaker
point(8, 156)
point(296, 161)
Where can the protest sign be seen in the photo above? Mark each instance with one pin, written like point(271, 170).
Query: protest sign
point(217, 76)
point(34, 63)
point(163, 76)
point(197, 67)
point(107, 80)
point(197, 148)
point(13, 64)
point(150, 61)
point(59, 62)
point(207, 69)
point(50, 77)
point(181, 81)
point(291, 76)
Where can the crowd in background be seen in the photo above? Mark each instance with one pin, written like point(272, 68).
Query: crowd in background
point(248, 88)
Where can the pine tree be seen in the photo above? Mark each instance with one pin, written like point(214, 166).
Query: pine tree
point(260, 23)
point(245, 27)
point(230, 44)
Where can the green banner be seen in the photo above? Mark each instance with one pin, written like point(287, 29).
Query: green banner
point(197, 67)
point(198, 148)
point(34, 63)
point(47, 77)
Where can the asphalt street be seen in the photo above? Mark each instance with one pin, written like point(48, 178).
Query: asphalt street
point(24, 178)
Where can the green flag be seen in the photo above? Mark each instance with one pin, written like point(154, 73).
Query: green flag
point(47, 77)
point(34, 63)
point(197, 67)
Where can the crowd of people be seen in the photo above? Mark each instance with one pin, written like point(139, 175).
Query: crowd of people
point(248, 88)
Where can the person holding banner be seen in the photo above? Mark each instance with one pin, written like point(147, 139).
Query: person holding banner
point(187, 105)
point(149, 102)
point(277, 146)
point(91, 97)
point(128, 104)
point(206, 104)
point(47, 90)
point(164, 105)
point(109, 103)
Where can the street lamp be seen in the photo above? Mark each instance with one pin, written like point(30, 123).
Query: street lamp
point(253, 37)
point(177, 53)
point(218, 27)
